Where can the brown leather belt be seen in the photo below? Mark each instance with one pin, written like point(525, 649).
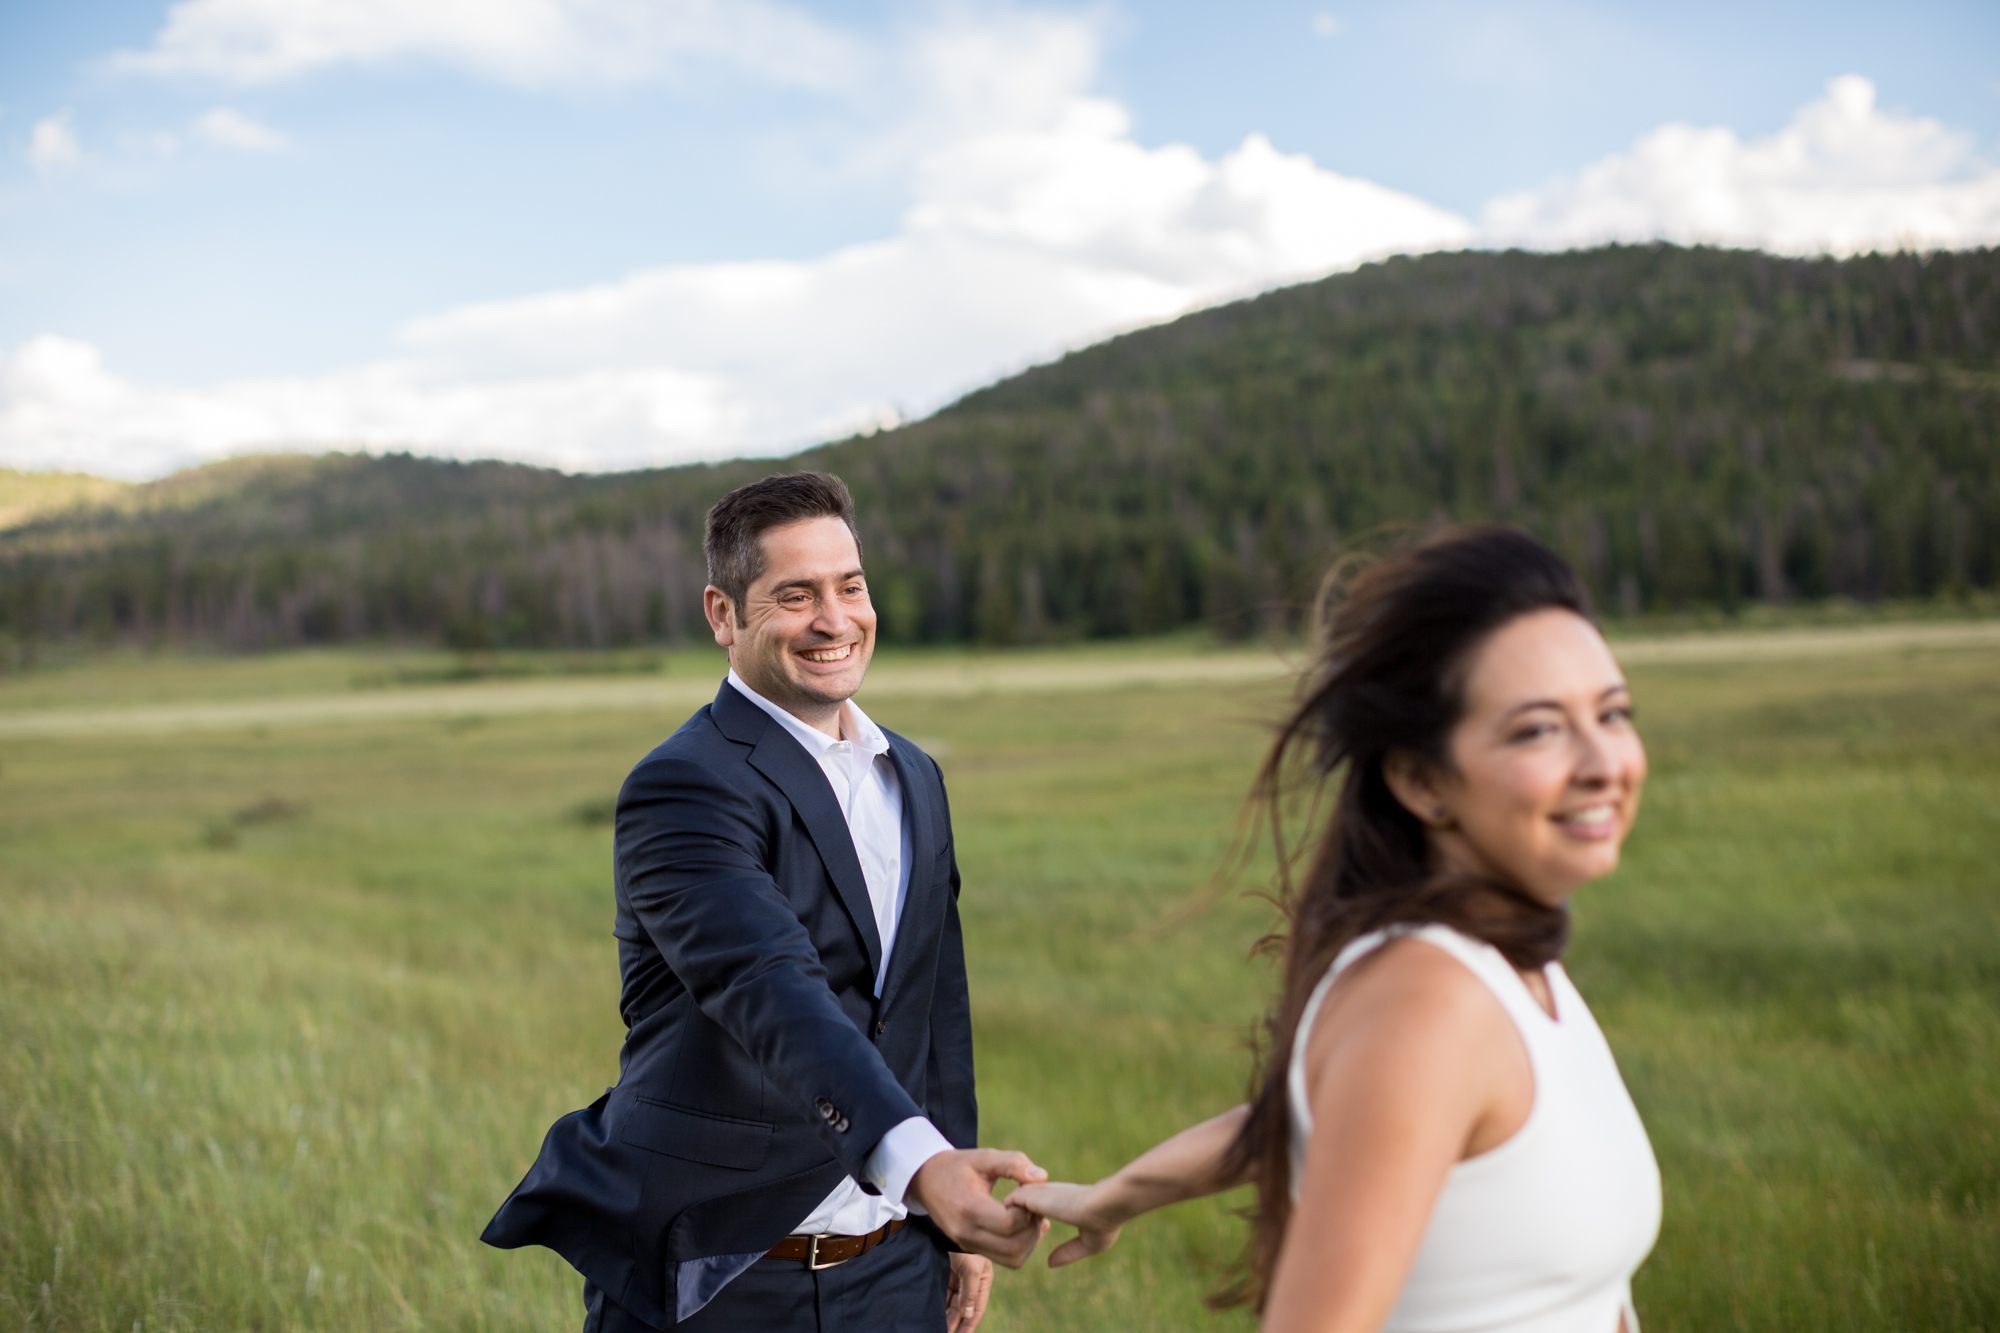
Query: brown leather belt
point(818, 1252)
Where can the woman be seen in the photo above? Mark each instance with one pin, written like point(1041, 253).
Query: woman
point(1439, 1137)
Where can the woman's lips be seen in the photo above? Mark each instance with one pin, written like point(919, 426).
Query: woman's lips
point(1593, 823)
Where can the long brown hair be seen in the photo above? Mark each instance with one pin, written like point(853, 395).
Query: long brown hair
point(1395, 641)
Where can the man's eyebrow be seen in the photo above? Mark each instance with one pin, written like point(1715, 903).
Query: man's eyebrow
point(813, 583)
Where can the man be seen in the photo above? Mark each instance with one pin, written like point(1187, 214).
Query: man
point(790, 1143)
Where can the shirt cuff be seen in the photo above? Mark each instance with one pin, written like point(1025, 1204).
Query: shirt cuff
point(900, 1155)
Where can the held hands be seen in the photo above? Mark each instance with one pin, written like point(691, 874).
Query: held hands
point(1194, 1163)
point(956, 1189)
point(1083, 1207)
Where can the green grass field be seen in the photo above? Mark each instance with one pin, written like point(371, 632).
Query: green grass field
point(286, 1004)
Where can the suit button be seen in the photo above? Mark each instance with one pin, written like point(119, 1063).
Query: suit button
point(881, 1027)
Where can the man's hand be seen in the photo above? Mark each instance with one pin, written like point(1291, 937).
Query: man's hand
point(1083, 1207)
point(956, 1189)
point(965, 1298)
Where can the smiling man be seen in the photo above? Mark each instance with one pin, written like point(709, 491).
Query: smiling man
point(790, 1145)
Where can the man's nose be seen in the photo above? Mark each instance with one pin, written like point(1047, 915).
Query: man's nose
point(832, 619)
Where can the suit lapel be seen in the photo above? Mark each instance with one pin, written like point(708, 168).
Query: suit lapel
point(916, 929)
point(795, 773)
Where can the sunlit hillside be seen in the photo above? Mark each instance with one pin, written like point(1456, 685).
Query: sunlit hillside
point(26, 496)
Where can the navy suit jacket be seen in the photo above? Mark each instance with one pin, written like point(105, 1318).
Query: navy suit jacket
point(758, 1068)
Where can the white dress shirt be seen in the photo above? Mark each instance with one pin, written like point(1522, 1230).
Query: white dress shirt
point(863, 778)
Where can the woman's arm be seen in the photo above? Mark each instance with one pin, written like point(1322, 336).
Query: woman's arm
point(1412, 1066)
point(1189, 1165)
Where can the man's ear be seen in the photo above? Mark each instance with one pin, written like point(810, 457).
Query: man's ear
point(721, 613)
point(1412, 780)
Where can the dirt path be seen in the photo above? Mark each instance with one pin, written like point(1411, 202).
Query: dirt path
point(985, 675)
point(683, 695)
point(1769, 645)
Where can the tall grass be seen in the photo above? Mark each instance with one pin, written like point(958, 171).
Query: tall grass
point(283, 1015)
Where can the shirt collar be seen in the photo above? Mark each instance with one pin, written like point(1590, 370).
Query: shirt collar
point(855, 726)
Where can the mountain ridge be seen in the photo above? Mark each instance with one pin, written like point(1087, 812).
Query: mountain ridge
point(1690, 426)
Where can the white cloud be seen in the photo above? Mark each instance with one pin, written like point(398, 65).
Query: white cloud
point(1843, 177)
point(61, 408)
point(52, 143)
point(1082, 192)
point(1021, 245)
point(1046, 229)
point(228, 128)
point(527, 42)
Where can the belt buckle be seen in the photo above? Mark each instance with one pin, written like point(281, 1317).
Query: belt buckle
point(813, 1265)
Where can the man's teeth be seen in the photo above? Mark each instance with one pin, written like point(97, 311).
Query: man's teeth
point(1597, 814)
point(839, 654)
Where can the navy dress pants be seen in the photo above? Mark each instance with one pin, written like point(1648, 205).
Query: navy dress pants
point(897, 1287)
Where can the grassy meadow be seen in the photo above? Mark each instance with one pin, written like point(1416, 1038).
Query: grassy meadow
point(286, 1005)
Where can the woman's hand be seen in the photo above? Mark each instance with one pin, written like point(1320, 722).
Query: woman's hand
point(1084, 1207)
point(1191, 1165)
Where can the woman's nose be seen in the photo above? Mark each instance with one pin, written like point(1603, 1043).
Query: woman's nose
point(1597, 759)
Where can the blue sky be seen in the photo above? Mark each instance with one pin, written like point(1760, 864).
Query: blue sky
point(602, 233)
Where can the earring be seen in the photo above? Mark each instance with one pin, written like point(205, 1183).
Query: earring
point(1441, 817)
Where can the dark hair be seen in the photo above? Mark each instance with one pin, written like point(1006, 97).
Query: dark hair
point(732, 536)
point(1396, 641)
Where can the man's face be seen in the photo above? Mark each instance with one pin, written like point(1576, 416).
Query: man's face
point(806, 629)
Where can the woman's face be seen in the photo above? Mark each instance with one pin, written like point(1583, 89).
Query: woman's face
point(1547, 763)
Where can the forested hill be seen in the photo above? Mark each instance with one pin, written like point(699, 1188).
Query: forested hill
point(1690, 426)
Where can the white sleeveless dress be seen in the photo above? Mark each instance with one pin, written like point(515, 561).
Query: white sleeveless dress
point(1543, 1233)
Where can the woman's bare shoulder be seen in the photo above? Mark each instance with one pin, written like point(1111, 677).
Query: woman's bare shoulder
point(1409, 992)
